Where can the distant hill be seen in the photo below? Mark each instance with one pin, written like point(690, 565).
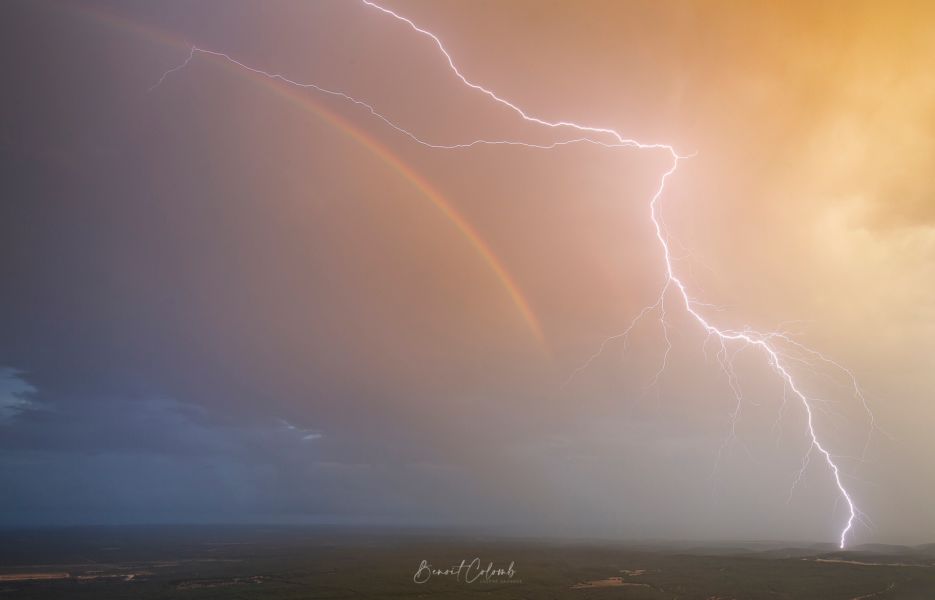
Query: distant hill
point(886, 549)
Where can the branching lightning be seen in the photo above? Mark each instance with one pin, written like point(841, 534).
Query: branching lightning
point(773, 346)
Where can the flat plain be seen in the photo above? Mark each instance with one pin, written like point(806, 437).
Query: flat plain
point(318, 562)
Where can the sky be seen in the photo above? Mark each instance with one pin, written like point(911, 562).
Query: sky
point(228, 299)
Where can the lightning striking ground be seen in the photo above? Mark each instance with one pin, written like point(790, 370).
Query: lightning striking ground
point(765, 342)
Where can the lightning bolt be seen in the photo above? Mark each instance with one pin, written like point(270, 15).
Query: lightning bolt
point(767, 343)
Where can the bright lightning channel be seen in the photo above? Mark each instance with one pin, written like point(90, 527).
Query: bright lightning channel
point(764, 342)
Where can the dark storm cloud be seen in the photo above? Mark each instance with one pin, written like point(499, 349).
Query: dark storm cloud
point(155, 459)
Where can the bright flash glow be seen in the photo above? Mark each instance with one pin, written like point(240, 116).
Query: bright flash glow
point(770, 344)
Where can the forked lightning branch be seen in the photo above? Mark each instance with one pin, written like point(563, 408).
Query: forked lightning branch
point(775, 348)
